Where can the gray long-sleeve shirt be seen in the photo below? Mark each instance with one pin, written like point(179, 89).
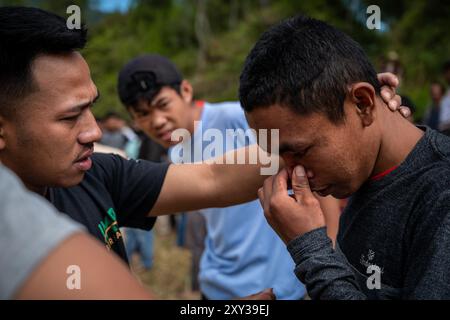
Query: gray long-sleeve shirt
point(396, 230)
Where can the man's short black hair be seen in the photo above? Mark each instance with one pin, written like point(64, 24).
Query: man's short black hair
point(306, 65)
point(143, 78)
point(26, 33)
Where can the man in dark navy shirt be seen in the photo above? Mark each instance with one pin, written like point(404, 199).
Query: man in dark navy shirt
point(316, 85)
point(114, 192)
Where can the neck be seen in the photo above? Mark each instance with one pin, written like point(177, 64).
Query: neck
point(196, 116)
point(39, 190)
point(398, 139)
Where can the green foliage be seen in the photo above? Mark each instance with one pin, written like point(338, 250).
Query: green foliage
point(212, 56)
point(420, 34)
point(169, 29)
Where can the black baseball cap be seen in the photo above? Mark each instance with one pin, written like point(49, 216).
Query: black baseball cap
point(144, 76)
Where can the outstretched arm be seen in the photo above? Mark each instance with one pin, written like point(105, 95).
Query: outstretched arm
point(206, 185)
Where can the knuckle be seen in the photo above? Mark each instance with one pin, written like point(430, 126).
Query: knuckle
point(311, 202)
point(274, 204)
point(386, 90)
point(300, 184)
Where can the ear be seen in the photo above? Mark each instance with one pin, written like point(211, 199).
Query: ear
point(187, 93)
point(362, 96)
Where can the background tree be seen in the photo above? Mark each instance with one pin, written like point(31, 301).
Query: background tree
point(209, 39)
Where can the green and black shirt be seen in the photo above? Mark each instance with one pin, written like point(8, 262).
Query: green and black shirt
point(114, 193)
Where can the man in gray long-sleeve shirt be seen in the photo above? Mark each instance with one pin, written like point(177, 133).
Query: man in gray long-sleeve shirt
point(316, 85)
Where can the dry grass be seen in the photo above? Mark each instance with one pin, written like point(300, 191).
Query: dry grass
point(169, 279)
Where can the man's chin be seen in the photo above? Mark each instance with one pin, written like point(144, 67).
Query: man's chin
point(169, 144)
point(341, 194)
point(71, 182)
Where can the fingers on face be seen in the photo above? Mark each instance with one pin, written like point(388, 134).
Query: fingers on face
point(299, 178)
point(280, 182)
point(303, 194)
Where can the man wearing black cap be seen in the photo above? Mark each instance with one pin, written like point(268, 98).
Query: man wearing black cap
point(161, 101)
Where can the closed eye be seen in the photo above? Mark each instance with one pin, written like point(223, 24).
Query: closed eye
point(71, 118)
point(300, 154)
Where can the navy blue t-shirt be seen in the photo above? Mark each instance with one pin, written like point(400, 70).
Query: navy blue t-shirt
point(114, 193)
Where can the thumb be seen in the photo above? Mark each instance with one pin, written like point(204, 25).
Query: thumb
point(267, 294)
point(300, 184)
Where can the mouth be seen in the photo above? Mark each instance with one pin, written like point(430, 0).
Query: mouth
point(165, 135)
point(84, 162)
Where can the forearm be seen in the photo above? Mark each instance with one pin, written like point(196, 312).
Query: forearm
point(236, 183)
point(324, 271)
point(215, 183)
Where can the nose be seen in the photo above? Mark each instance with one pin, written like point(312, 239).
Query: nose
point(158, 120)
point(91, 132)
point(289, 161)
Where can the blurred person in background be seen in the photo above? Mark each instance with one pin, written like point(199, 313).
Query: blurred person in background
point(432, 114)
point(444, 124)
point(116, 133)
point(139, 241)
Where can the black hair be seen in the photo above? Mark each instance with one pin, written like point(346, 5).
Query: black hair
point(25, 33)
point(151, 94)
point(306, 65)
